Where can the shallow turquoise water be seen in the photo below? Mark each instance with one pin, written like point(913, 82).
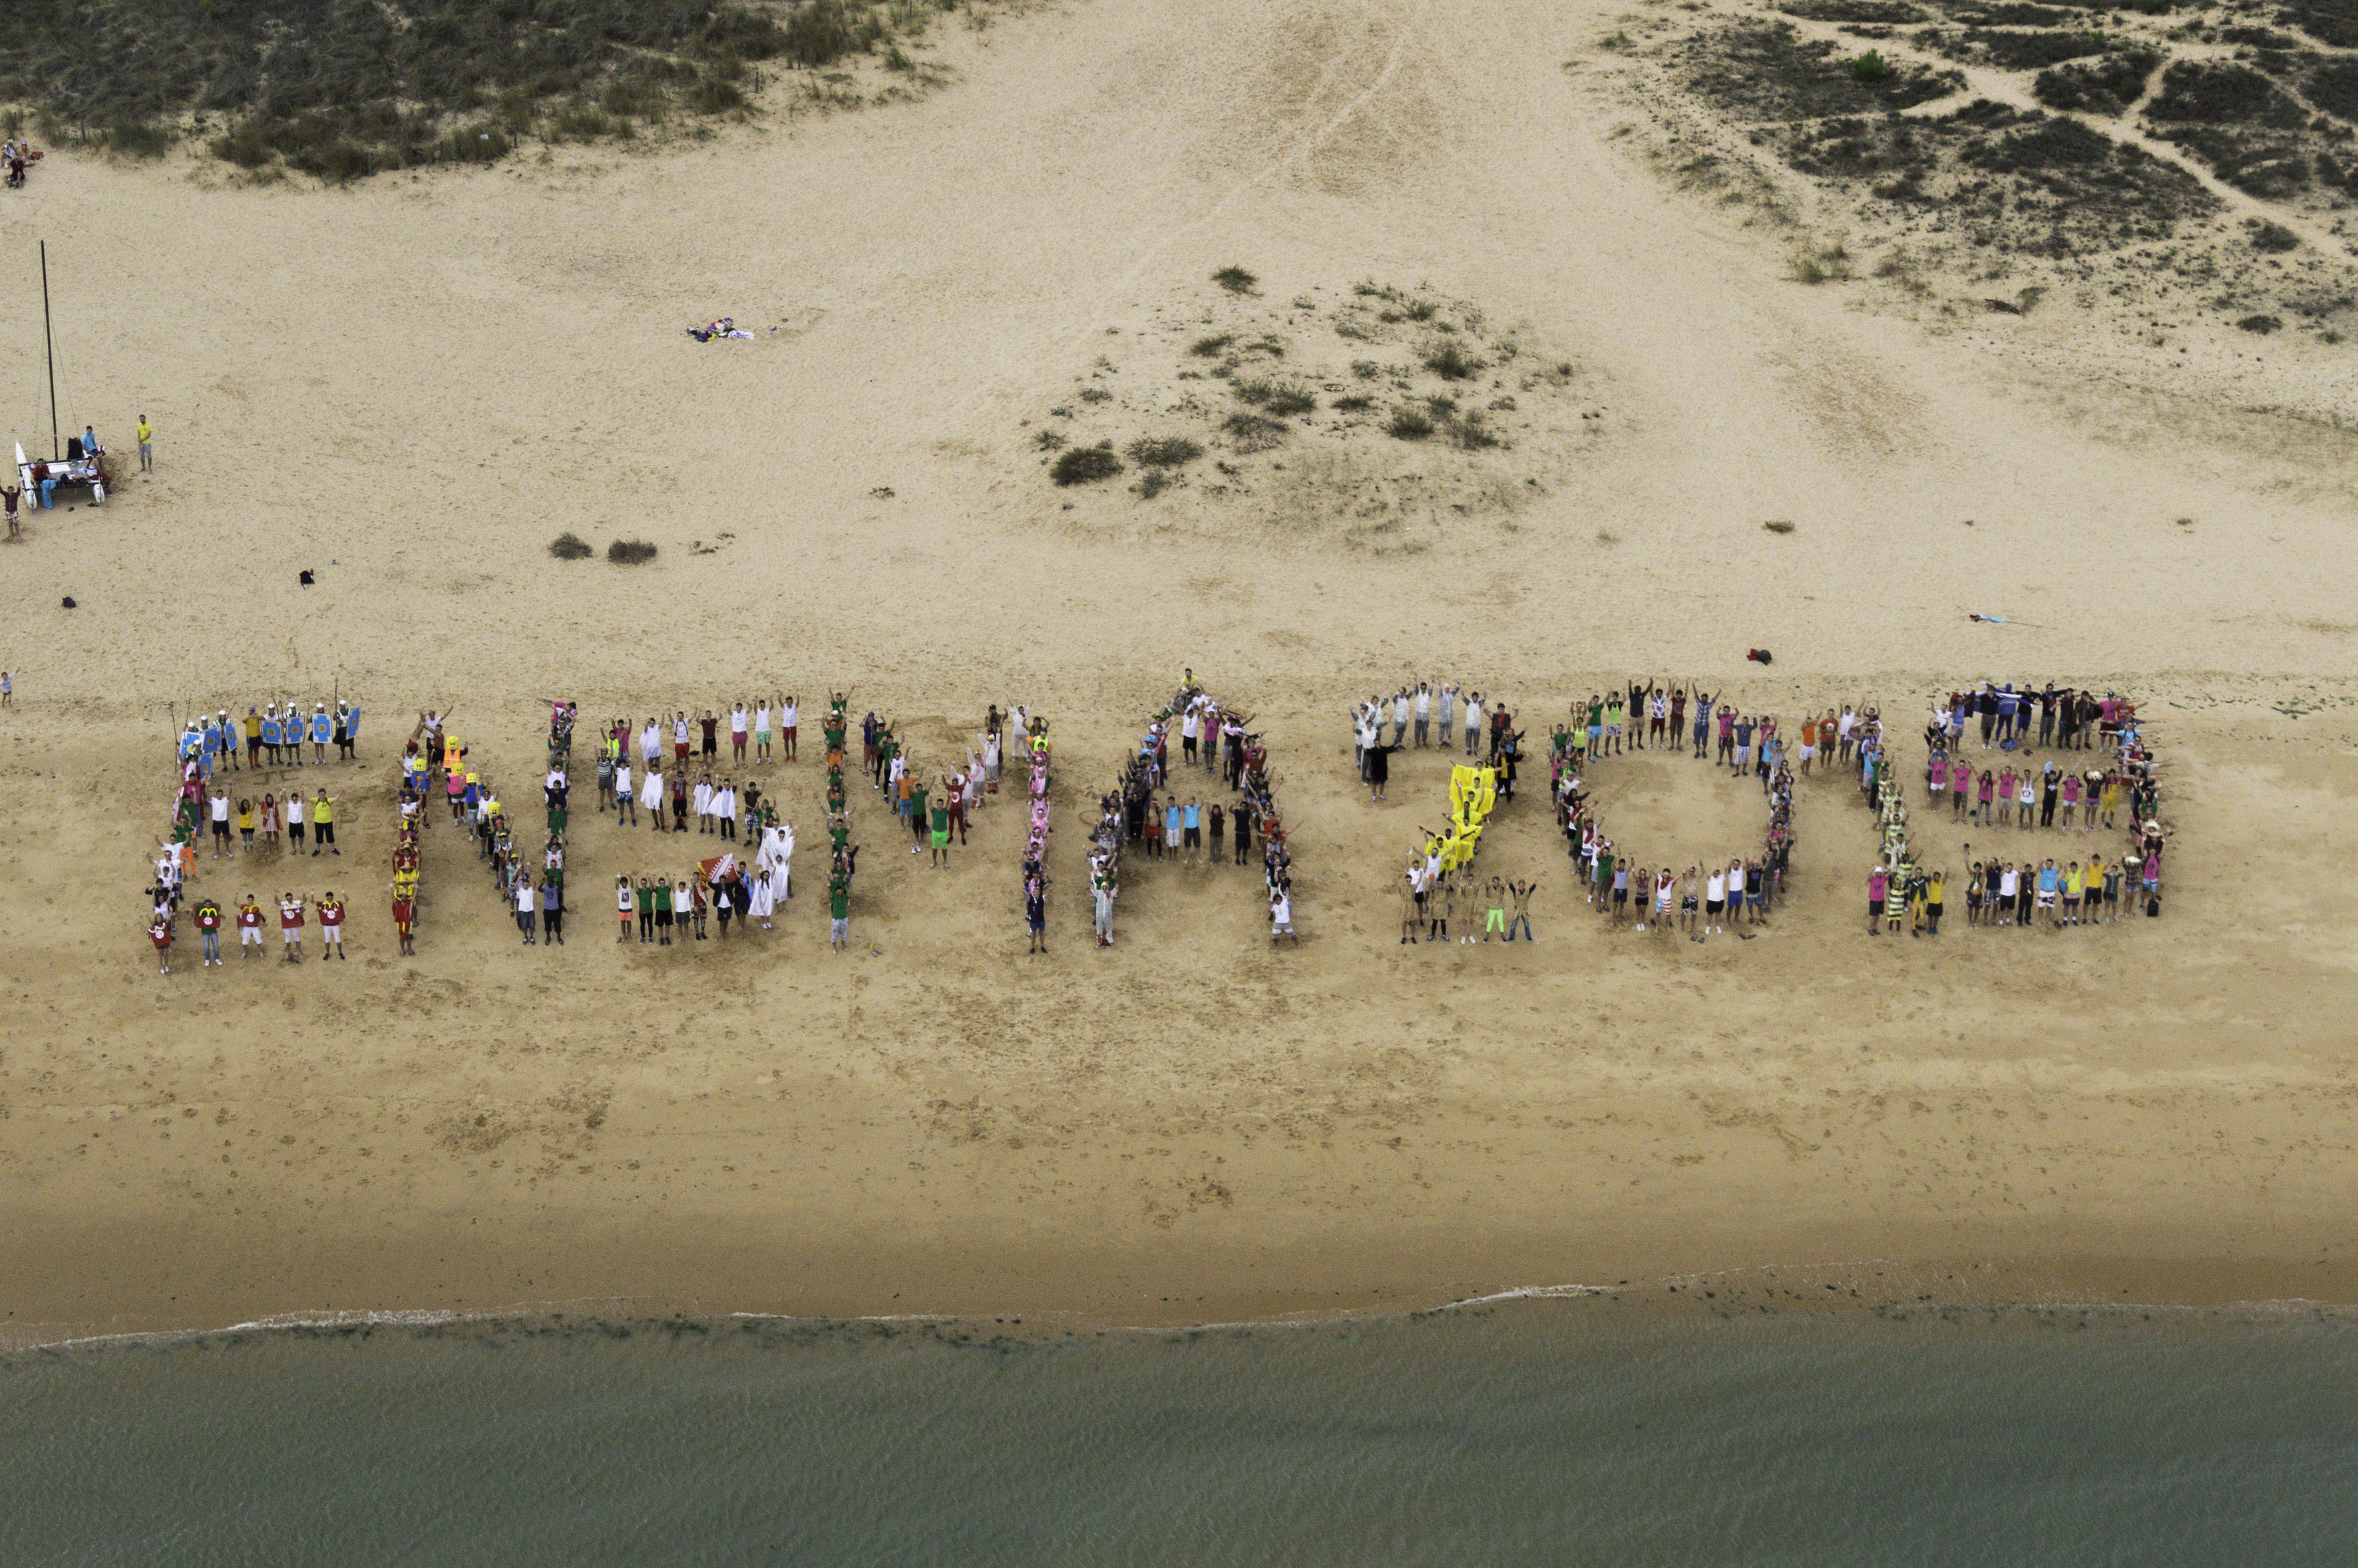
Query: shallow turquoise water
point(1541, 1432)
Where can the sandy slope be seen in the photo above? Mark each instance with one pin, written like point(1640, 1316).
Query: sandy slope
point(411, 385)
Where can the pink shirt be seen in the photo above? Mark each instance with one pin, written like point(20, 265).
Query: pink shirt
point(1877, 883)
point(1960, 776)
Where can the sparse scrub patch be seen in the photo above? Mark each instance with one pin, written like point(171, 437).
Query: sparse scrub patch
point(1273, 398)
point(1047, 440)
point(1355, 404)
point(1085, 465)
point(1163, 452)
point(1820, 263)
point(1409, 423)
point(1779, 525)
point(571, 546)
point(630, 552)
point(1213, 346)
point(1254, 432)
point(1450, 362)
point(1235, 279)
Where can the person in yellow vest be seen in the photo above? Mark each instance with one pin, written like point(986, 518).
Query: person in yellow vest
point(146, 446)
point(323, 826)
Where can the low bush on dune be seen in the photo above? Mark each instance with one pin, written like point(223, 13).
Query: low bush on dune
point(1163, 452)
point(570, 547)
point(630, 552)
point(1408, 423)
point(1085, 465)
point(1235, 279)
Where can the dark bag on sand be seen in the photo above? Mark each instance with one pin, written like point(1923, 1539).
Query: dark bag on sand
point(2153, 908)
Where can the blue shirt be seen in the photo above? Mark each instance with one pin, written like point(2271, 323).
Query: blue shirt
point(1195, 816)
point(2047, 878)
point(1171, 821)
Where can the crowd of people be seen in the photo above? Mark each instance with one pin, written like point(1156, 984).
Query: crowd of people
point(209, 750)
point(1220, 740)
point(1704, 900)
point(2106, 768)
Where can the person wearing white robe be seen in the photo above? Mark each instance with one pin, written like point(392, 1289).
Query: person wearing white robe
point(651, 795)
point(764, 901)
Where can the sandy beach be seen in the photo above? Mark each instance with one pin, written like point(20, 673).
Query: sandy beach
point(410, 386)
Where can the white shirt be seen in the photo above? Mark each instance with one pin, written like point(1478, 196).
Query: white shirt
point(703, 800)
point(221, 808)
point(679, 731)
point(1423, 703)
point(786, 715)
point(762, 718)
point(1473, 713)
point(294, 811)
point(1718, 892)
point(524, 898)
point(1400, 708)
point(737, 722)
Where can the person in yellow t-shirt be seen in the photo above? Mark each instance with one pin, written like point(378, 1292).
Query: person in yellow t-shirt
point(146, 446)
point(323, 826)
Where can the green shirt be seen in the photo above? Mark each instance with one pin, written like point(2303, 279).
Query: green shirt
point(646, 900)
point(838, 904)
point(663, 899)
point(941, 818)
point(917, 800)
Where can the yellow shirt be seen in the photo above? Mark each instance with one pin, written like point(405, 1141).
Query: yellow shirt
point(2074, 884)
point(146, 432)
point(1932, 891)
point(323, 810)
point(245, 820)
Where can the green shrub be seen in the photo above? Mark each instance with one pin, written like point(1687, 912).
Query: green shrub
point(630, 552)
point(1163, 452)
point(1451, 364)
point(139, 138)
point(1255, 432)
point(1209, 348)
point(1085, 465)
point(570, 547)
point(1353, 405)
point(1870, 67)
point(1778, 525)
point(1408, 423)
point(1235, 279)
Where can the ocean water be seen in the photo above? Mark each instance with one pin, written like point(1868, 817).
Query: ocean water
point(1531, 1433)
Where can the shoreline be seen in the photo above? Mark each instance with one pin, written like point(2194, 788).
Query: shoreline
point(2245, 1288)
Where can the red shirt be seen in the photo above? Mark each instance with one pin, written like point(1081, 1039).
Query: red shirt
point(248, 915)
point(290, 916)
point(332, 915)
